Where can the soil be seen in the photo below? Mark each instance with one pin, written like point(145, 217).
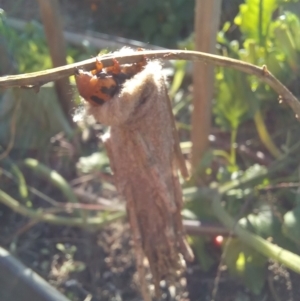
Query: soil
point(101, 264)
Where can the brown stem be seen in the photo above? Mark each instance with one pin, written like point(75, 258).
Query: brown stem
point(50, 11)
point(42, 77)
point(207, 19)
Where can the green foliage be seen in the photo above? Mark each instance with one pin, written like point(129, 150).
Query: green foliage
point(158, 22)
point(18, 185)
point(246, 264)
point(70, 265)
point(266, 223)
point(269, 35)
point(236, 101)
point(206, 261)
point(291, 225)
point(286, 36)
point(268, 41)
point(29, 47)
point(200, 197)
point(38, 117)
point(180, 68)
point(255, 17)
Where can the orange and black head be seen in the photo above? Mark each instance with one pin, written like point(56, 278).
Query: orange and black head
point(96, 88)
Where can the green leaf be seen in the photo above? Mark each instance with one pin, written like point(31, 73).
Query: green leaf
point(235, 102)
point(267, 225)
point(246, 264)
point(291, 224)
point(264, 223)
point(276, 65)
point(199, 203)
point(38, 117)
point(286, 43)
point(285, 32)
point(205, 259)
point(294, 25)
point(17, 176)
point(178, 77)
point(254, 18)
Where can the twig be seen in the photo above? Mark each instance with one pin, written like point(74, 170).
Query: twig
point(53, 176)
point(95, 202)
point(192, 227)
point(280, 186)
point(195, 227)
point(99, 175)
point(272, 288)
point(39, 215)
point(37, 79)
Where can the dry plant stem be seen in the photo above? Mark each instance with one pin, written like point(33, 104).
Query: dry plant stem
point(42, 77)
point(38, 215)
point(143, 152)
point(207, 17)
point(272, 288)
point(192, 227)
point(50, 11)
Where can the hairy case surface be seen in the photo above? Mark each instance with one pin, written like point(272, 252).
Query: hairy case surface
point(142, 147)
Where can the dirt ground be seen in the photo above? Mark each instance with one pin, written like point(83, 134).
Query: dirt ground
point(101, 264)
